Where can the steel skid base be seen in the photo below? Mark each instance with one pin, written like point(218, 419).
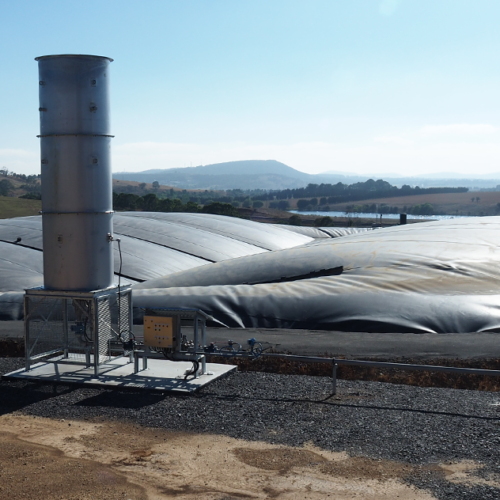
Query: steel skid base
point(85, 327)
point(160, 374)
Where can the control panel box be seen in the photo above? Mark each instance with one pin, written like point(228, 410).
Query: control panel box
point(161, 332)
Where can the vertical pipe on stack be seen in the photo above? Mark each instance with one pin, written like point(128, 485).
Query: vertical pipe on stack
point(77, 201)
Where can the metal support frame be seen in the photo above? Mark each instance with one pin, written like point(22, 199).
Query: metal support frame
point(98, 317)
point(137, 355)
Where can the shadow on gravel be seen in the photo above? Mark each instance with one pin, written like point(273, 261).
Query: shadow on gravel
point(11, 348)
point(15, 397)
point(327, 401)
point(122, 400)
point(416, 410)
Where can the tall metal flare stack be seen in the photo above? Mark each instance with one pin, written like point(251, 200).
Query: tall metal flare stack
point(77, 202)
point(79, 313)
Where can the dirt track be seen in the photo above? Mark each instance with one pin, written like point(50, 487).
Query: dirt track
point(58, 459)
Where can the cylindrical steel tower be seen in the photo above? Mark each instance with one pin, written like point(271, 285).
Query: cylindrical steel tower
point(77, 201)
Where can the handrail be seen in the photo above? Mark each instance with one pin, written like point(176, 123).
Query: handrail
point(372, 364)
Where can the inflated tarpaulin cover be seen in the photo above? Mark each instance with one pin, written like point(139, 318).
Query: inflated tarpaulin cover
point(11, 306)
point(323, 232)
point(29, 229)
point(427, 277)
point(312, 232)
point(137, 257)
point(197, 242)
point(339, 232)
point(266, 236)
point(282, 265)
point(152, 244)
point(155, 244)
point(18, 265)
point(144, 260)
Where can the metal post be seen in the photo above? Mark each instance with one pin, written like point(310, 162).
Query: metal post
point(204, 333)
point(65, 327)
point(95, 323)
point(196, 341)
point(334, 377)
point(204, 343)
point(27, 331)
point(136, 362)
point(195, 332)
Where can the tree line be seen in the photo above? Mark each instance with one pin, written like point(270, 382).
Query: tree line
point(311, 197)
point(151, 203)
point(423, 209)
point(342, 193)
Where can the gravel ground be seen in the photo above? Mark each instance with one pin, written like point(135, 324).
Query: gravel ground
point(403, 423)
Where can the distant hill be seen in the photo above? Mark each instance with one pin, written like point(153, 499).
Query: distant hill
point(272, 174)
point(254, 167)
point(246, 174)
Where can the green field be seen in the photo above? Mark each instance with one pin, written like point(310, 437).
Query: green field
point(18, 207)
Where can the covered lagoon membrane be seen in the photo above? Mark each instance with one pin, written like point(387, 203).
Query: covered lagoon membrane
point(434, 277)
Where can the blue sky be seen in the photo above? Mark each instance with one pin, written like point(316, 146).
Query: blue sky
point(364, 86)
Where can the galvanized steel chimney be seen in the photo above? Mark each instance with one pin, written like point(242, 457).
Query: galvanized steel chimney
point(77, 201)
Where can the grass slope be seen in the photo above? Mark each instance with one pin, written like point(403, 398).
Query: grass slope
point(18, 207)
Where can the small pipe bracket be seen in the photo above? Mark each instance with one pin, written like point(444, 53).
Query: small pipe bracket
point(112, 238)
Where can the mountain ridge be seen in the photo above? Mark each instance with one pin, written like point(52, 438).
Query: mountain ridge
point(232, 168)
point(274, 175)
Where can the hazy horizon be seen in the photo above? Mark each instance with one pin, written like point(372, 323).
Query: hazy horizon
point(435, 175)
point(358, 87)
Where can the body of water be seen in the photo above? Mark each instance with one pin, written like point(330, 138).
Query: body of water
point(364, 215)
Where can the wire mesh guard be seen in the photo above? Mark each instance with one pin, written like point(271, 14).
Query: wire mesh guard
point(78, 327)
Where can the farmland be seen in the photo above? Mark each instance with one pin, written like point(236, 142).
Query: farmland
point(18, 207)
point(470, 203)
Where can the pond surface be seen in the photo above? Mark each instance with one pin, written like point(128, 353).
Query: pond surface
point(366, 215)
